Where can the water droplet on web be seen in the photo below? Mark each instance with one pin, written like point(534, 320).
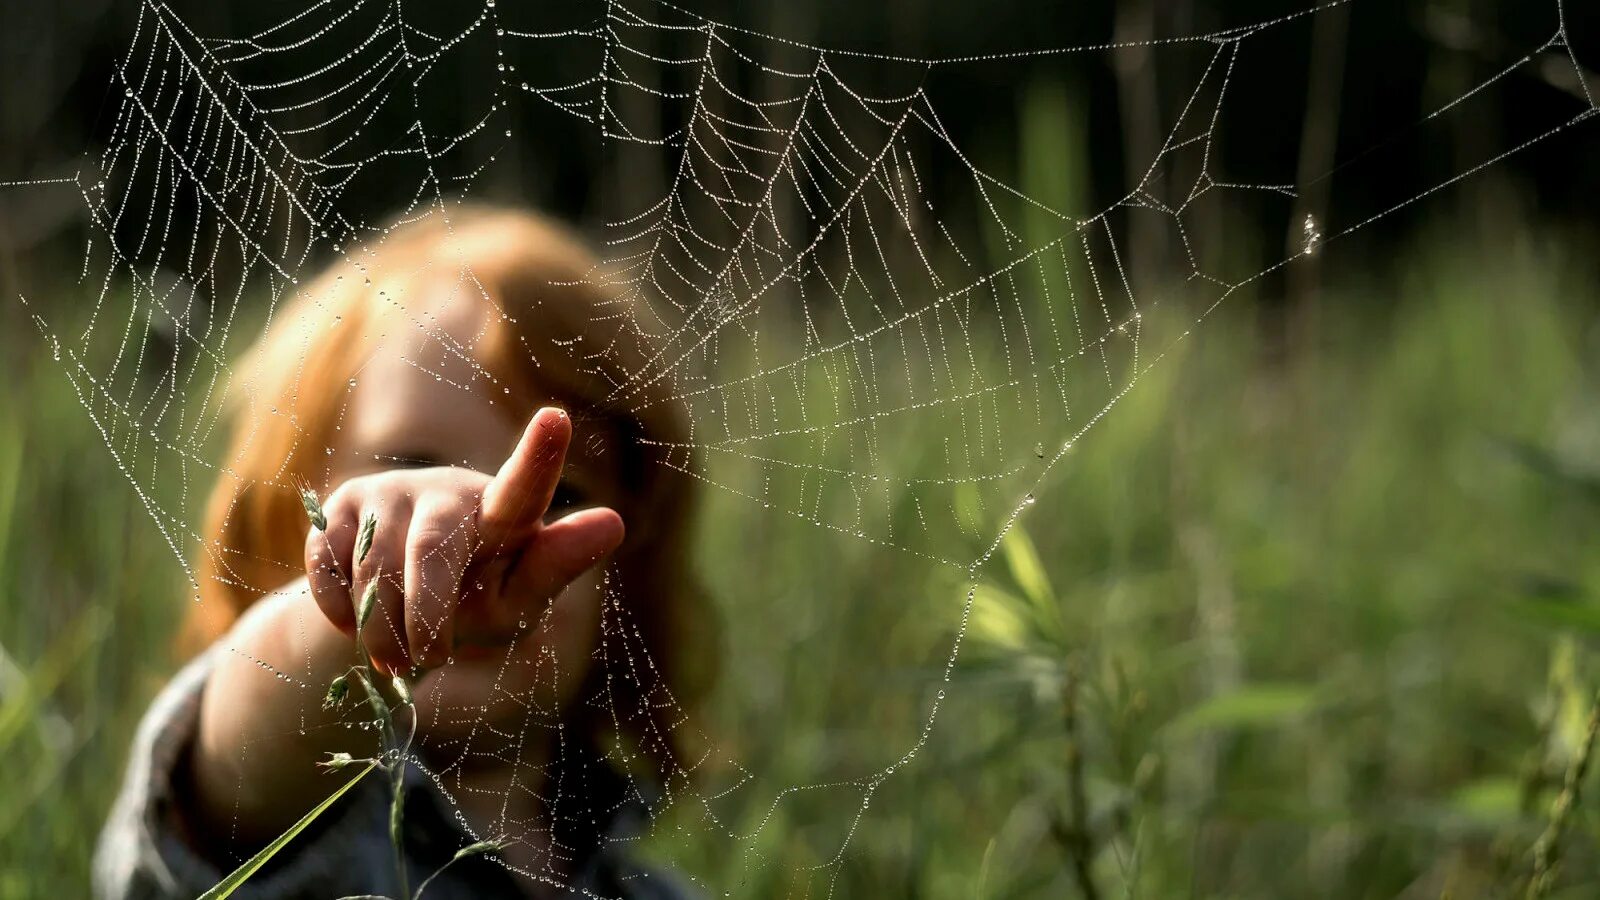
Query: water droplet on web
point(1038, 450)
point(1028, 499)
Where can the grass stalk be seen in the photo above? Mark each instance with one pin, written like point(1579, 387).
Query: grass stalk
point(1547, 850)
point(1073, 832)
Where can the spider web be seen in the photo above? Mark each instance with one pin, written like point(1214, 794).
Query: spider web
point(871, 335)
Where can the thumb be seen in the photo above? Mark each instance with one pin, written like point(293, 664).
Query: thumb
point(516, 499)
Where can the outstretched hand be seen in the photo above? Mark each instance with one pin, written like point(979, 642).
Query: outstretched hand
point(458, 557)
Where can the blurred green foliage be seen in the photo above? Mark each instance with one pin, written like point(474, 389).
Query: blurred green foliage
point(91, 594)
point(1335, 616)
point(1327, 620)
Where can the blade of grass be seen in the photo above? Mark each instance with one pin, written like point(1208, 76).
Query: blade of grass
point(84, 634)
point(10, 467)
point(239, 876)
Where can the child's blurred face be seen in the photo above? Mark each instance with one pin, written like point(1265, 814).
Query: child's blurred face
point(422, 400)
point(417, 403)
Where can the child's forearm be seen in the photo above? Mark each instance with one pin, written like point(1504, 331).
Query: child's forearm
point(262, 722)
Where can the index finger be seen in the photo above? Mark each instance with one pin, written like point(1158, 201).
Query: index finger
point(515, 501)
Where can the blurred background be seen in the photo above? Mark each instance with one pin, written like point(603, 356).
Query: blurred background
point(1313, 612)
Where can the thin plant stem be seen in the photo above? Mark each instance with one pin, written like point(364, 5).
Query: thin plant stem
point(1073, 832)
point(1547, 850)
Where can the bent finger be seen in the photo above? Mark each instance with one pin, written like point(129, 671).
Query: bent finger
point(379, 576)
point(327, 556)
point(560, 553)
point(436, 556)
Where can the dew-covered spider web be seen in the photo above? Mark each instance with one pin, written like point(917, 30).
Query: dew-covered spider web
point(882, 347)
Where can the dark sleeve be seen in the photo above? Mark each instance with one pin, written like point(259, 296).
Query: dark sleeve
point(144, 851)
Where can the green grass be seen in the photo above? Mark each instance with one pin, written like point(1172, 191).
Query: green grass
point(89, 598)
point(1321, 606)
point(1330, 611)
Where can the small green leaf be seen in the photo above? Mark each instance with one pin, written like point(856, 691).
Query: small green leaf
point(1250, 705)
point(1576, 481)
point(239, 876)
point(1576, 614)
point(21, 709)
point(997, 618)
point(1488, 799)
point(1027, 569)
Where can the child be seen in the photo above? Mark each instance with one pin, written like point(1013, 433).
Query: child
point(403, 384)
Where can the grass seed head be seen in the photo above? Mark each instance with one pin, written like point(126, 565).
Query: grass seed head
point(402, 690)
point(337, 689)
point(308, 499)
point(369, 527)
point(493, 845)
point(336, 761)
point(369, 599)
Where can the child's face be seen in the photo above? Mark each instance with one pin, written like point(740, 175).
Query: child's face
point(422, 400)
